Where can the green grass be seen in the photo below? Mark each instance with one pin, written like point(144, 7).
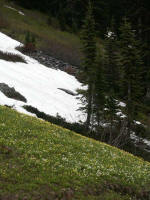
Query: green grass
point(39, 160)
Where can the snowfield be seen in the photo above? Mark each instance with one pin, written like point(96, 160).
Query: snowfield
point(39, 85)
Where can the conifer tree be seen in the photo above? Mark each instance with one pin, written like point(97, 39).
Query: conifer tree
point(99, 90)
point(111, 67)
point(88, 40)
point(111, 107)
point(131, 63)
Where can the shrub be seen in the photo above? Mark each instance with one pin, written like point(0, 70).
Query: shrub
point(29, 44)
point(11, 57)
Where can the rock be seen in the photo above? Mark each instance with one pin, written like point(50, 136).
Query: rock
point(11, 92)
point(49, 61)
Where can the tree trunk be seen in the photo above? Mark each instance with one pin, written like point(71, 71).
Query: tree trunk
point(129, 111)
point(89, 106)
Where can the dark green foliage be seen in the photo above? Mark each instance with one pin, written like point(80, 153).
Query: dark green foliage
point(27, 38)
point(99, 90)
point(112, 71)
point(130, 59)
point(88, 40)
point(71, 13)
point(111, 107)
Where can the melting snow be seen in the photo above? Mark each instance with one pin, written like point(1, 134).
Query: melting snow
point(38, 84)
point(122, 104)
point(136, 138)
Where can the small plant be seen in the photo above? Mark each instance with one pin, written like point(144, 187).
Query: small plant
point(11, 57)
point(30, 43)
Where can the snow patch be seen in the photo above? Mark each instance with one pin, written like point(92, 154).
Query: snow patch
point(137, 122)
point(138, 139)
point(39, 84)
point(121, 115)
point(121, 104)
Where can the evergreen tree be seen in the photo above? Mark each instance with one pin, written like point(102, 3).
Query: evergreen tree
point(111, 107)
point(131, 63)
point(27, 38)
point(88, 40)
point(99, 91)
point(111, 67)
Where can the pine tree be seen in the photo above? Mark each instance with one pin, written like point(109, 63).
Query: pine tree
point(88, 40)
point(99, 90)
point(27, 38)
point(111, 68)
point(131, 63)
point(111, 107)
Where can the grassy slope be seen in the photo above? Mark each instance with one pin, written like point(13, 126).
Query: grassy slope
point(39, 160)
point(49, 37)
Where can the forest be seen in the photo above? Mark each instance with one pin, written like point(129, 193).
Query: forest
point(72, 13)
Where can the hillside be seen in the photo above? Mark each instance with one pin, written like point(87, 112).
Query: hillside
point(39, 160)
point(15, 21)
point(42, 161)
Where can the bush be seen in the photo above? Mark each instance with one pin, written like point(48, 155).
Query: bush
point(29, 44)
point(11, 57)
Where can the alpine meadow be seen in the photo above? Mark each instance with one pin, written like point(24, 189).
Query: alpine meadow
point(74, 100)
